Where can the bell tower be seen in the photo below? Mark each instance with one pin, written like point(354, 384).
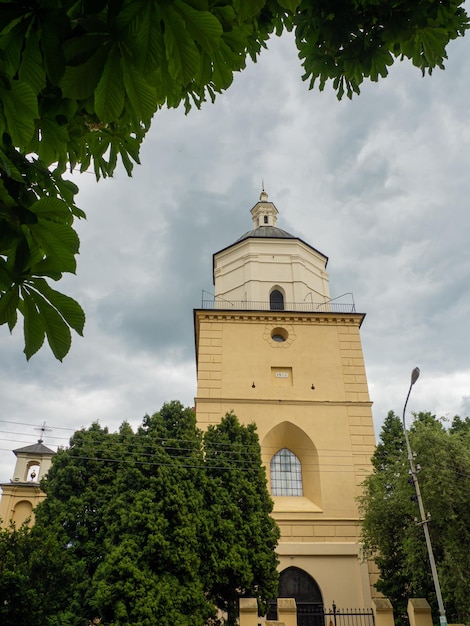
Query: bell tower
point(274, 348)
point(22, 494)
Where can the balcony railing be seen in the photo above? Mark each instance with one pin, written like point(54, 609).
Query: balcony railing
point(301, 307)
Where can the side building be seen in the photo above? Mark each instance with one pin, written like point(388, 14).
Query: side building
point(22, 494)
point(274, 348)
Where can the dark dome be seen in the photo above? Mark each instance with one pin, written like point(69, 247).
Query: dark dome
point(36, 448)
point(268, 232)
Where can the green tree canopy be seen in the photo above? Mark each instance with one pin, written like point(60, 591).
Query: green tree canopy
point(158, 526)
point(26, 593)
point(80, 81)
point(392, 534)
point(243, 561)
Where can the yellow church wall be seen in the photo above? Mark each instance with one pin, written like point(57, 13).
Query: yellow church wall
point(334, 342)
point(18, 502)
point(335, 416)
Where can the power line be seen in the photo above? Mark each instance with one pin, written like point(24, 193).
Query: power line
point(241, 455)
point(247, 450)
point(234, 464)
point(35, 425)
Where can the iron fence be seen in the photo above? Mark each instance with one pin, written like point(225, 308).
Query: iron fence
point(253, 305)
point(313, 614)
point(349, 617)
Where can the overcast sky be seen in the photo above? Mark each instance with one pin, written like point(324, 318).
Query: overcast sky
point(380, 185)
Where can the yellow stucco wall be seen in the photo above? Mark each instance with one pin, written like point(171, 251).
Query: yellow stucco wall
point(18, 502)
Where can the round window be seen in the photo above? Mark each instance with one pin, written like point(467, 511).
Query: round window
point(279, 334)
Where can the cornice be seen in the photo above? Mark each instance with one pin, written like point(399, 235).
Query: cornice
point(291, 317)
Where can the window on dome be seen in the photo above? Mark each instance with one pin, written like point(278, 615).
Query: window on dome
point(286, 474)
point(266, 219)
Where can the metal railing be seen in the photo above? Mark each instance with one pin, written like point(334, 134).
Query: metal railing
point(315, 614)
point(349, 617)
point(302, 307)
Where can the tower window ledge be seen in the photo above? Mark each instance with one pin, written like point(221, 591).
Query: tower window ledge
point(294, 504)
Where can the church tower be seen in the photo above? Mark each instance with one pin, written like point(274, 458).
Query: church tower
point(274, 348)
point(22, 494)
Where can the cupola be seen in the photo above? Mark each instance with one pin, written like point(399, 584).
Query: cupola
point(264, 213)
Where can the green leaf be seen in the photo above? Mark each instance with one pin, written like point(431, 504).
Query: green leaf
point(433, 42)
point(130, 11)
point(11, 45)
point(21, 110)
point(22, 256)
point(52, 209)
point(181, 52)
point(55, 26)
point(69, 308)
point(22, 215)
point(110, 94)
point(80, 81)
point(203, 27)
point(141, 94)
point(128, 165)
point(52, 143)
point(380, 60)
point(5, 279)
point(67, 188)
point(222, 75)
point(57, 331)
point(8, 306)
point(78, 49)
point(9, 167)
point(32, 69)
point(33, 326)
point(59, 242)
point(47, 267)
point(56, 237)
point(143, 34)
point(247, 9)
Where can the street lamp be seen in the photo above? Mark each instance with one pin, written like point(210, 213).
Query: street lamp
point(424, 518)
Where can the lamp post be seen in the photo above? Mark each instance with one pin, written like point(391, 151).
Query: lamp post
point(424, 518)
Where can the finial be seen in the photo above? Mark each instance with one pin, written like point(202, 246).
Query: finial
point(43, 429)
point(263, 196)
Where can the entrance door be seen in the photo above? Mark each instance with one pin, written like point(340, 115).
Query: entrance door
point(297, 584)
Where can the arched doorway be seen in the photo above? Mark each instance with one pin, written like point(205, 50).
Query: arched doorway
point(297, 584)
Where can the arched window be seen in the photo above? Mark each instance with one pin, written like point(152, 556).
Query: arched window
point(22, 511)
point(266, 219)
point(32, 471)
point(276, 300)
point(286, 474)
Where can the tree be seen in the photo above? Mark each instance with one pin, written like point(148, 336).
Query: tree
point(22, 559)
point(243, 561)
point(80, 82)
point(138, 528)
point(390, 532)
